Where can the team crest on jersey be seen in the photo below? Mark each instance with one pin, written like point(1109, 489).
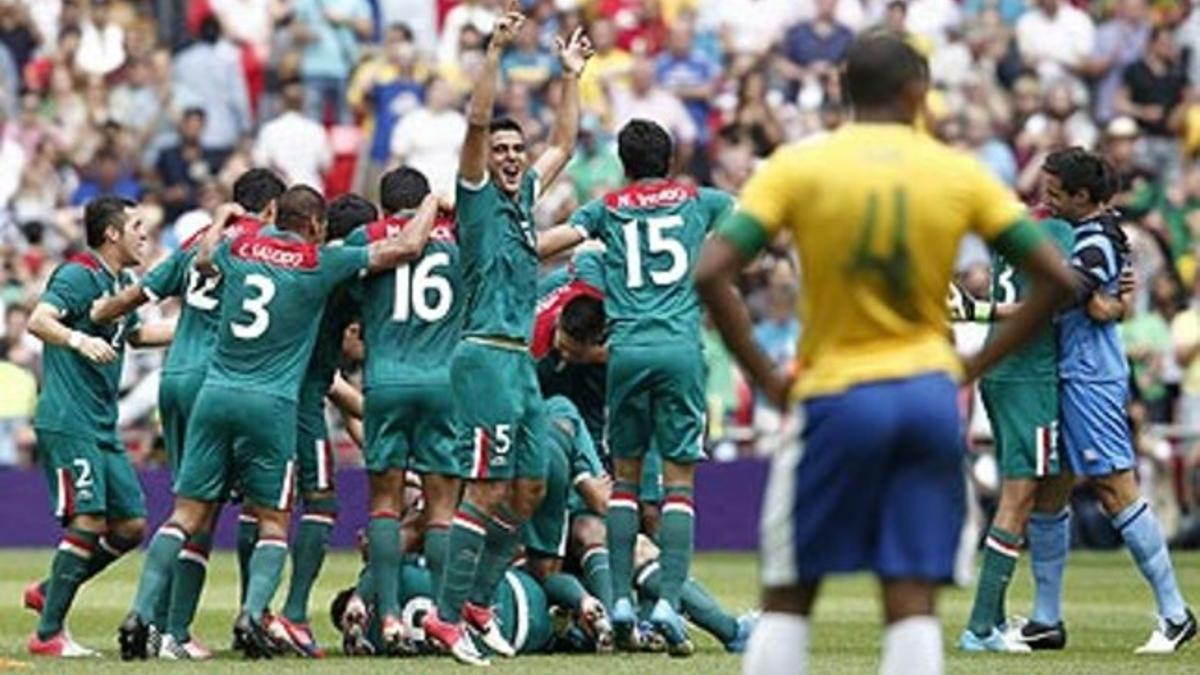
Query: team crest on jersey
point(650, 195)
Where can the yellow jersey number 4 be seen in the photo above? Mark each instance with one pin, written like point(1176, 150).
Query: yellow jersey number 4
point(892, 266)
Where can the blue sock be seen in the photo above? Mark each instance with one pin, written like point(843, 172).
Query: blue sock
point(1049, 538)
point(1144, 539)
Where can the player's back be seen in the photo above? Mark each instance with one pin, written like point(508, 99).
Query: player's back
point(876, 212)
point(653, 232)
point(274, 287)
point(412, 317)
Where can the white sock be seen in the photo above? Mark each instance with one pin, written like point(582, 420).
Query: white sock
point(913, 646)
point(778, 646)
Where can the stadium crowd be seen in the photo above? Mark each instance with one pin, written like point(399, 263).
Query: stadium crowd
point(166, 101)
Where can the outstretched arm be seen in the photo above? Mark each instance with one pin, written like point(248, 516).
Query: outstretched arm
point(388, 253)
point(158, 334)
point(557, 239)
point(224, 215)
point(473, 159)
point(574, 55)
point(112, 307)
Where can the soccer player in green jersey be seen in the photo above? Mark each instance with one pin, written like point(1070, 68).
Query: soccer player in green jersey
point(652, 230)
point(497, 403)
point(94, 490)
point(412, 320)
point(314, 455)
point(256, 192)
point(274, 284)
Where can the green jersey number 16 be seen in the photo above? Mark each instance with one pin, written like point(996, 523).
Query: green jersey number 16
point(415, 284)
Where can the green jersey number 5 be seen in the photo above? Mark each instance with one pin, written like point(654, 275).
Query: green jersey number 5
point(414, 286)
point(256, 307)
point(657, 241)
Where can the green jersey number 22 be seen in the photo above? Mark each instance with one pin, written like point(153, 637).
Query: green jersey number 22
point(657, 241)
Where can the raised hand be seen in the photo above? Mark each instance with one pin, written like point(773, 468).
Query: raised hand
point(575, 52)
point(508, 26)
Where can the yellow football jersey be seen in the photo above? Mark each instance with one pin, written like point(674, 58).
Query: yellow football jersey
point(876, 212)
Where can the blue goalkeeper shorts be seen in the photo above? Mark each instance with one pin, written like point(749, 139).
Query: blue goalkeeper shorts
point(877, 483)
point(1095, 429)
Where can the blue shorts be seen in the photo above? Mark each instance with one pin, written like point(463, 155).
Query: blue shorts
point(1095, 429)
point(876, 484)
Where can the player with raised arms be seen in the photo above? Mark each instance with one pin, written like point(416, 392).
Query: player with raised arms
point(876, 211)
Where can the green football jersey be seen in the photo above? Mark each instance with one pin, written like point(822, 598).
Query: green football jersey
point(273, 292)
point(79, 397)
point(412, 317)
point(498, 242)
point(1037, 361)
point(199, 316)
point(340, 311)
point(652, 233)
point(569, 434)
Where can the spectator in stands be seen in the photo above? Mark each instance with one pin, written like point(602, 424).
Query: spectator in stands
point(329, 32)
point(1151, 92)
point(609, 67)
point(1055, 38)
point(18, 398)
point(107, 176)
point(595, 168)
point(478, 14)
point(1185, 333)
point(1148, 344)
point(647, 100)
point(689, 75)
point(101, 40)
point(528, 62)
point(1119, 44)
point(185, 166)
point(754, 118)
point(419, 15)
point(429, 138)
point(979, 134)
point(19, 33)
point(812, 49)
point(293, 144)
point(208, 74)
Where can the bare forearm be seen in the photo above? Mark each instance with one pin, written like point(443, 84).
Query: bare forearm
point(595, 497)
point(733, 322)
point(566, 127)
point(109, 309)
point(45, 326)
point(347, 398)
point(158, 334)
point(409, 243)
point(556, 240)
point(483, 98)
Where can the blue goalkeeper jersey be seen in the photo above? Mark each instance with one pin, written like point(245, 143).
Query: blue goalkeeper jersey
point(1090, 350)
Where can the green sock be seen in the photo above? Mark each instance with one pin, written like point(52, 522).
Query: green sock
point(597, 574)
point(695, 600)
point(464, 548)
point(156, 570)
point(675, 537)
point(163, 606)
point(503, 536)
point(437, 538)
point(383, 542)
point(68, 570)
point(187, 582)
point(564, 590)
point(110, 548)
point(266, 567)
point(247, 537)
point(308, 554)
point(999, 560)
point(623, 526)
point(365, 586)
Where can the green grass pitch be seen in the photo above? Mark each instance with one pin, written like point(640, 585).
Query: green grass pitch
point(1109, 612)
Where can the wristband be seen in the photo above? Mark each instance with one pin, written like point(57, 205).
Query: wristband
point(984, 311)
point(75, 341)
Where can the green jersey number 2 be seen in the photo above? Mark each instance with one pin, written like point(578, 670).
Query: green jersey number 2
point(256, 307)
point(657, 241)
point(415, 283)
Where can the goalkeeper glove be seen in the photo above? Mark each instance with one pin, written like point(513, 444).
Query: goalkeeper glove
point(964, 307)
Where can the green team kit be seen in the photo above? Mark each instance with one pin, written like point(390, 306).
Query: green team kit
point(314, 456)
point(271, 281)
point(498, 404)
point(570, 458)
point(653, 232)
point(412, 320)
point(1021, 393)
point(86, 466)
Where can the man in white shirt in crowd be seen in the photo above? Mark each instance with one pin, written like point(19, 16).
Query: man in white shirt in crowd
point(429, 138)
point(294, 146)
point(1055, 38)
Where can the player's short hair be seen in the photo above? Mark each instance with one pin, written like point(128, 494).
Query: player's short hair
point(298, 205)
point(505, 124)
point(348, 212)
point(645, 149)
point(583, 320)
point(257, 188)
point(102, 213)
point(337, 608)
point(878, 65)
point(402, 188)
point(1077, 169)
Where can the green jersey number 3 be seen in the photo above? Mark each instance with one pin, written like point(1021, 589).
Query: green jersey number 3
point(657, 241)
point(256, 307)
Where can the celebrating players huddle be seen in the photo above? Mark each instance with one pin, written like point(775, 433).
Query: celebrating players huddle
point(493, 529)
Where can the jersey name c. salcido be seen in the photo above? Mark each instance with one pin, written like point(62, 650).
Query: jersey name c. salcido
point(196, 328)
point(273, 291)
point(80, 397)
point(412, 316)
point(652, 233)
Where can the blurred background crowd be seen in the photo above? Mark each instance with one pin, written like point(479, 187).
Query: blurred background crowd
point(167, 101)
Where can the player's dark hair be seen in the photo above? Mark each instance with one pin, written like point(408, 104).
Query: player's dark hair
point(878, 65)
point(337, 607)
point(645, 149)
point(102, 213)
point(257, 188)
point(583, 320)
point(401, 189)
point(346, 213)
point(298, 205)
point(1077, 169)
point(505, 124)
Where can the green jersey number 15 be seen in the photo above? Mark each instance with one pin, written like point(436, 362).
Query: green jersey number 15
point(657, 241)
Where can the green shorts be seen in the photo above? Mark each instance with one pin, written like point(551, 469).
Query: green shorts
point(411, 427)
point(314, 454)
point(499, 412)
point(546, 532)
point(241, 438)
point(655, 398)
point(88, 477)
point(1024, 417)
point(177, 394)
